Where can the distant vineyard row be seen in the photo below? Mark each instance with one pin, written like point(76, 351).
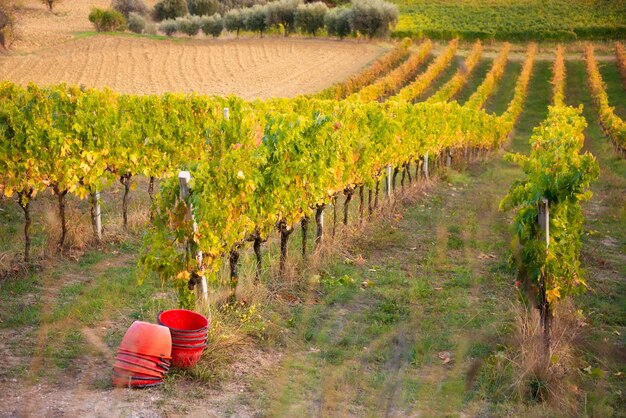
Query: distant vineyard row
point(513, 20)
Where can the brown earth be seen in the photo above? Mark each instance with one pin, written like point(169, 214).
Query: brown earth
point(250, 68)
point(48, 52)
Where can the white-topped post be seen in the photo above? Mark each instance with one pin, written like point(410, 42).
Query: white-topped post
point(183, 178)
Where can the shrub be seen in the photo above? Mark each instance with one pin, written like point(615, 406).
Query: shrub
point(202, 7)
point(168, 27)
point(373, 17)
point(338, 22)
point(283, 13)
point(234, 21)
point(126, 7)
point(151, 28)
point(212, 25)
point(169, 9)
point(310, 17)
point(189, 25)
point(107, 20)
point(255, 18)
point(136, 23)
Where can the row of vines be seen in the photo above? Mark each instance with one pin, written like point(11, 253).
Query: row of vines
point(549, 221)
point(458, 80)
point(614, 127)
point(262, 165)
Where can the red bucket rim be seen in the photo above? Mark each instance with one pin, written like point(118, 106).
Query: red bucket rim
point(186, 311)
point(149, 364)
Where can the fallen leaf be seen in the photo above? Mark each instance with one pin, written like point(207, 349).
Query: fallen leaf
point(484, 256)
point(616, 332)
point(413, 248)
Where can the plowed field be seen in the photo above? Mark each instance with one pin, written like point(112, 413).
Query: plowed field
point(250, 68)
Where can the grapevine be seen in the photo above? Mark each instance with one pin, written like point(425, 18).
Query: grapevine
point(452, 87)
point(482, 93)
point(614, 127)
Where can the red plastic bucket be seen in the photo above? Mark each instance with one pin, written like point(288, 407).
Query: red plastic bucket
point(183, 321)
point(186, 357)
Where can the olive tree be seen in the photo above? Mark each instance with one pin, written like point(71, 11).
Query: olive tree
point(310, 17)
point(234, 21)
point(202, 7)
point(338, 22)
point(126, 7)
point(169, 9)
point(255, 19)
point(373, 18)
point(212, 25)
point(283, 13)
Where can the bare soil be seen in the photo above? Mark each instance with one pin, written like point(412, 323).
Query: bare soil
point(48, 52)
point(250, 68)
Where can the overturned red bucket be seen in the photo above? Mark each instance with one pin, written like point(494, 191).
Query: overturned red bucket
point(189, 332)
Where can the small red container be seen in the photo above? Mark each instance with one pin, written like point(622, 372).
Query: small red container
point(183, 321)
point(189, 332)
point(186, 358)
point(148, 339)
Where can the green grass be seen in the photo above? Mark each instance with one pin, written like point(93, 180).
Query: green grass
point(502, 94)
point(65, 299)
point(89, 34)
point(614, 87)
point(441, 79)
point(474, 80)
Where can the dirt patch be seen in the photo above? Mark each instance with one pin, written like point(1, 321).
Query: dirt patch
point(90, 394)
point(250, 68)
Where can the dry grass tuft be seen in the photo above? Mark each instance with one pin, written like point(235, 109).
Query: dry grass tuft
point(540, 376)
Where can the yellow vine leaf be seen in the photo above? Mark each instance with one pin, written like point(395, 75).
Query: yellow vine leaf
point(553, 295)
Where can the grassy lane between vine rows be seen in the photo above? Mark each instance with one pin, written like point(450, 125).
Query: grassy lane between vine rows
point(474, 80)
point(603, 341)
point(416, 309)
point(614, 87)
point(441, 79)
point(503, 92)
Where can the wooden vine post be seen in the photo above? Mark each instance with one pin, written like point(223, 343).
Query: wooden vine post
point(544, 307)
point(96, 215)
point(426, 165)
point(388, 182)
point(183, 179)
point(233, 257)
point(319, 224)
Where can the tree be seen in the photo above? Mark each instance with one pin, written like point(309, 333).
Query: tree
point(337, 22)
point(310, 17)
point(255, 19)
point(169, 9)
point(126, 7)
point(168, 27)
point(283, 13)
point(212, 25)
point(373, 17)
point(189, 25)
point(234, 21)
point(202, 7)
point(136, 23)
